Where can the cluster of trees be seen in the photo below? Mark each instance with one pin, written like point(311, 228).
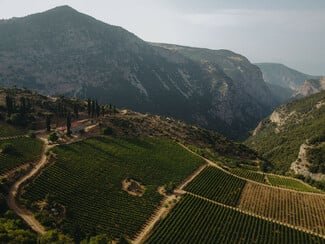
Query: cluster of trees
point(17, 112)
point(95, 110)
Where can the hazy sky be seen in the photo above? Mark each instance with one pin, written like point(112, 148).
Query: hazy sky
point(291, 32)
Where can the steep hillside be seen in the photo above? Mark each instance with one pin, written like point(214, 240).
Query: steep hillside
point(281, 75)
point(241, 98)
point(283, 81)
point(283, 136)
point(310, 87)
point(62, 51)
point(119, 173)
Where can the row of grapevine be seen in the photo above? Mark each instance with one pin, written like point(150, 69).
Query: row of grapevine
point(248, 174)
point(290, 183)
point(295, 208)
point(195, 220)
point(23, 150)
point(215, 184)
point(87, 177)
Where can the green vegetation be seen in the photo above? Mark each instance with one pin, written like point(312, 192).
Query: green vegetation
point(290, 183)
point(316, 156)
point(217, 185)
point(248, 174)
point(84, 185)
point(17, 151)
point(10, 130)
point(212, 223)
point(280, 144)
point(12, 229)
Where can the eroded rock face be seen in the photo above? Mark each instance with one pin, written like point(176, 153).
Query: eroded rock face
point(310, 87)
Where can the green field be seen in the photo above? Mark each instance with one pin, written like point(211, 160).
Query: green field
point(9, 130)
point(248, 174)
point(194, 220)
point(289, 183)
point(217, 185)
point(24, 150)
point(86, 180)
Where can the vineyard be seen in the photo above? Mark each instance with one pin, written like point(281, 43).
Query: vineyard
point(9, 130)
point(290, 183)
point(195, 220)
point(248, 174)
point(217, 185)
point(21, 150)
point(86, 180)
point(295, 208)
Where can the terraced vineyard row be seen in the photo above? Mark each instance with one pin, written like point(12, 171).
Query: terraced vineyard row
point(195, 220)
point(24, 150)
point(217, 185)
point(99, 202)
point(248, 174)
point(289, 183)
point(295, 208)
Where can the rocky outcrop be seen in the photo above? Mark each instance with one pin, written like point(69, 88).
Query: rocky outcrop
point(310, 87)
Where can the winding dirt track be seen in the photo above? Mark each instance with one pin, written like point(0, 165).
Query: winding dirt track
point(25, 214)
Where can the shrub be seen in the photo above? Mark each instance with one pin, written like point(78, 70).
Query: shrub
point(53, 137)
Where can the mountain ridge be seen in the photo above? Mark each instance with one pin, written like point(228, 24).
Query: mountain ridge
point(62, 51)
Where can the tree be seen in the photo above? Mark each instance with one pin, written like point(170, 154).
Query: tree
point(89, 106)
point(93, 107)
point(9, 105)
point(68, 124)
point(48, 122)
point(75, 110)
point(97, 109)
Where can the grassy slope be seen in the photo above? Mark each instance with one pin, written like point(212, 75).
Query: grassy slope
point(87, 180)
point(282, 148)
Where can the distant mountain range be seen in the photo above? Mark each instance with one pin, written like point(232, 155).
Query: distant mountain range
point(284, 82)
point(62, 51)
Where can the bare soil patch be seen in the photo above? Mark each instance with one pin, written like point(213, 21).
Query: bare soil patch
point(133, 187)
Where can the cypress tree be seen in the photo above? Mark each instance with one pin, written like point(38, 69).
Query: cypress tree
point(68, 124)
point(48, 123)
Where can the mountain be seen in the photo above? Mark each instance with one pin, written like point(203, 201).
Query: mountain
point(310, 87)
point(283, 136)
point(282, 81)
point(281, 75)
point(62, 51)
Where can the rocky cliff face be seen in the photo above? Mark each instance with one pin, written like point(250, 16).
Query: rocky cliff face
point(62, 51)
point(310, 87)
point(283, 76)
point(279, 137)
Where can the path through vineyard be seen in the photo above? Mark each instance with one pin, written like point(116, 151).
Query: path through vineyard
point(25, 214)
point(162, 210)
